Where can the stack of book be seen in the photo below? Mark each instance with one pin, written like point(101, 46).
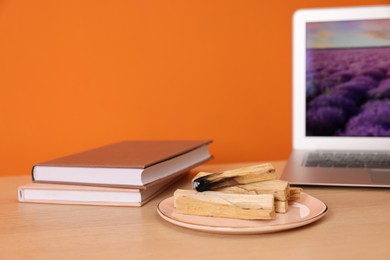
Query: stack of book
point(128, 173)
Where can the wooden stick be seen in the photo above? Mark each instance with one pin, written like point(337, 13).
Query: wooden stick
point(281, 206)
point(295, 193)
point(219, 204)
point(212, 181)
point(279, 188)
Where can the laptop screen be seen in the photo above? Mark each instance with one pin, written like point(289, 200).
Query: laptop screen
point(348, 78)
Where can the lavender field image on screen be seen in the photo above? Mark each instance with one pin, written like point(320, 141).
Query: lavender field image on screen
point(348, 78)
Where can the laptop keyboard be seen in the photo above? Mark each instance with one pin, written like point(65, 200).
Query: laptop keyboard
point(350, 160)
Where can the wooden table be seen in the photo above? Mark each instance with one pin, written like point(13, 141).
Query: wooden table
point(357, 226)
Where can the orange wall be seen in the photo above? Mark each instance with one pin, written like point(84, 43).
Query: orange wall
point(80, 74)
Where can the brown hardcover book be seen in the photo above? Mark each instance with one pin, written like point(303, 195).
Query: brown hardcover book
point(124, 164)
point(90, 195)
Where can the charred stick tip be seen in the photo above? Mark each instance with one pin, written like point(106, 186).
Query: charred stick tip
point(201, 184)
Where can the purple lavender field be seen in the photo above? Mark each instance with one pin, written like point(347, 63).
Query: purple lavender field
point(348, 92)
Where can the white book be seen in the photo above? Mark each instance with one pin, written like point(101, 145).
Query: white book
point(90, 195)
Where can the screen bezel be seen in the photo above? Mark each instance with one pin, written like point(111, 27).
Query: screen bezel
point(300, 19)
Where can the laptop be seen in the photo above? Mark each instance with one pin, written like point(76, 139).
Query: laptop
point(341, 97)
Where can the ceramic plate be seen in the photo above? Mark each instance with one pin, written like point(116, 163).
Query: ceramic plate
point(302, 212)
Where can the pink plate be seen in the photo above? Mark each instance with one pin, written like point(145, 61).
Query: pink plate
point(302, 212)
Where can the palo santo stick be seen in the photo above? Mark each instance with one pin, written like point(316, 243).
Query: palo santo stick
point(281, 206)
point(212, 181)
point(279, 188)
point(219, 204)
point(295, 193)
